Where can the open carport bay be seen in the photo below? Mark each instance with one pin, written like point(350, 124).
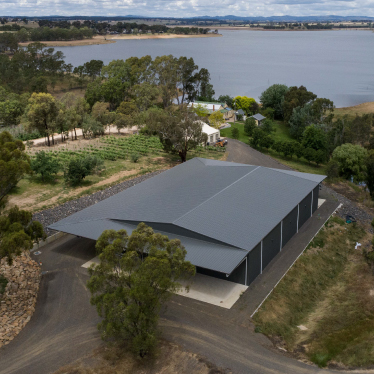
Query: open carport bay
point(213, 290)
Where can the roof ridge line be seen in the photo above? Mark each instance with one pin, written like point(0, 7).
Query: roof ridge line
point(222, 244)
point(199, 158)
point(174, 222)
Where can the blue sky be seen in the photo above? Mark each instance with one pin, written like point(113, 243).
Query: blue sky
point(187, 8)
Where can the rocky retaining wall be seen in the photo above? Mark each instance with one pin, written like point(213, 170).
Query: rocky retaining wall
point(17, 304)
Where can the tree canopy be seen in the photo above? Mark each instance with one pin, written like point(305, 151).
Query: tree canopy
point(14, 164)
point(42, 113)
point(136, 275)
point(273, 97)
point(248, 104)
point(178, 130)
point(352, 161)
point(296, 97)
point(18, 232)
point(216, 119)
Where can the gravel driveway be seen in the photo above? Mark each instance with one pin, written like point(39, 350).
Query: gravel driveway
point(63, 327)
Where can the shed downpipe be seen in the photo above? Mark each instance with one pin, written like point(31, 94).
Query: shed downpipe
point(261, 254)
point(311, 205)
point(281, 236)
point(246, 270)
point(298, 212)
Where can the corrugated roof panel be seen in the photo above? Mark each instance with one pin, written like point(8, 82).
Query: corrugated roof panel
point(243, 214)
point(166, 196)
point(312, 177)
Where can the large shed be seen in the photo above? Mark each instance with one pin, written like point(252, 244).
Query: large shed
point(233, 219)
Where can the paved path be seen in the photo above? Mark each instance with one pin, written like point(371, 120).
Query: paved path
point(63, 327)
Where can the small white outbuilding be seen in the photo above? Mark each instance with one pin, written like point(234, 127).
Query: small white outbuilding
point(213, 134)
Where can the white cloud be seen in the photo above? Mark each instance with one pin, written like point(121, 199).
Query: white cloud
point(187, 8)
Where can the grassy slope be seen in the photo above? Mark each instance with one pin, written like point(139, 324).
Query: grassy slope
point(327, 291)
point(360, 109)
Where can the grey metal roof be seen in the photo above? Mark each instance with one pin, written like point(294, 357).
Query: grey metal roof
point(259, 117)
point(240, 111)
point(220, 210)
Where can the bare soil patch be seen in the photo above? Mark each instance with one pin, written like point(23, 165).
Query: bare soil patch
point(356, 194)
point(169, 359)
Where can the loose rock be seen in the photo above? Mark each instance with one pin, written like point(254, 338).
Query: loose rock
point(19, 299)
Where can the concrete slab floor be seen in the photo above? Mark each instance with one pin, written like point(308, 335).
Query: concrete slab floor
point(214, 291)
point(95, 260)
point(203, 288)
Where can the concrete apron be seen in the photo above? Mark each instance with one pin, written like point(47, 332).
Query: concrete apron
point(204, 288)
point(213, 291)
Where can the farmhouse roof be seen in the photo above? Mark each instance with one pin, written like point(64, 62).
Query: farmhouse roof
point(206, 105)
point(219, 210)
point(258, 117)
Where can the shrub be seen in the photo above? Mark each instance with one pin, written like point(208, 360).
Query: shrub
point(266, 142)
point(249, 126)
point(298, 150)
point(332, 169)
point(79, 168)
point(321, 359)
point(309, 154)
point(235, 133)
point(257, 135)
point(267, 126)
point(352, 161)
point(268, 113)
point(45, 165)
point(314, 137)
point(278, 146)
point(320, 157)
point(289, 148)
point(135, 157)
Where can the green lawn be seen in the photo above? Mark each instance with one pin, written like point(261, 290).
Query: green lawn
point(281, 132)
point(239, 125)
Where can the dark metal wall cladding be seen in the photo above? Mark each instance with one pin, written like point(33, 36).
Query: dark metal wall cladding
point(271, 245)
point(237, 276)
point(254, 264)
point(315, 198)
point(305, 209)
point(289, 228)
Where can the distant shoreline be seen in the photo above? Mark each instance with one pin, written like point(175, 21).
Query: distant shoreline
point(113, 38)
point(247, 28)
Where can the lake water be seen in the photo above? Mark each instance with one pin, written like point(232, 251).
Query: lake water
point(337, 65)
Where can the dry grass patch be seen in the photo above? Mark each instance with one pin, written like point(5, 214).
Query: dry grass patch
point(355, 193)
point(169, 359)
point(328, 292)
point(352, 111)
